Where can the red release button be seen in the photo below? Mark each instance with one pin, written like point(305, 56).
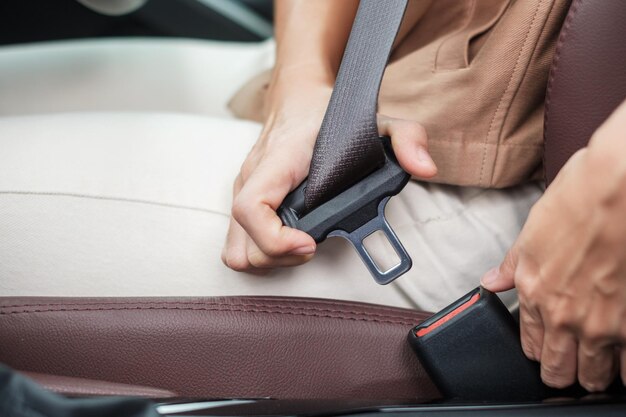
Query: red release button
point(425, 330)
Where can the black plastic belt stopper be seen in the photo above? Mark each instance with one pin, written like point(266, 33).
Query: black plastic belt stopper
point(355, 213)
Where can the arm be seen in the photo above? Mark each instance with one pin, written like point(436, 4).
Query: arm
point(569, 267)
point(311, 37)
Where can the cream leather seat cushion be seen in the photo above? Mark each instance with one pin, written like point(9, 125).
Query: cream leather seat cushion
point(126, 190)
point(132, 74)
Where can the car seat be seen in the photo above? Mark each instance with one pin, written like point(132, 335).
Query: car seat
point(283, 347)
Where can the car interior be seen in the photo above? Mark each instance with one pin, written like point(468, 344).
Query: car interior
point(238, 21)
point(259, 355)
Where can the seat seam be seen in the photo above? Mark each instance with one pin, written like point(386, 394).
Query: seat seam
point(192, 303)
point(262, 302)
point(224, 307)
point(331, 302)
point(111, 198)
point(293, 313)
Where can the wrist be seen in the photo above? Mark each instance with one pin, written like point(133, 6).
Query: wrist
point(598, 171)
point(606, 150)
point(297, 94)
point(607, 170)
point(302, 74)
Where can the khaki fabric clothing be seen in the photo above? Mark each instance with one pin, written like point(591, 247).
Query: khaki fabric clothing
point(474, 73)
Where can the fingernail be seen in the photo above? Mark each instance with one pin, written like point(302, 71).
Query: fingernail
point(303, 250)
point(424, 157)
point(490, 277)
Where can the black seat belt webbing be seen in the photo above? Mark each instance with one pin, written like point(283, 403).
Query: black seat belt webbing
point(348, 146)
point(354, 172)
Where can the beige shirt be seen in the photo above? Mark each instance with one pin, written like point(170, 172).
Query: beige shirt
point(474, 73)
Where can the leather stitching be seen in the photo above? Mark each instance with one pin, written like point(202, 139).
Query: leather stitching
point(210, 302)
point(244, 310)
point(218, 307)
point(226, 306)
point(506, 90)
point(262, 302)
point(553, 72)
point(334, 303)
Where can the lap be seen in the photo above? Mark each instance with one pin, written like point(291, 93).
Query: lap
point(137, 204)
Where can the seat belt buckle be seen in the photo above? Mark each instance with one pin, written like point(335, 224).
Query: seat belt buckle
point(472, 351)
point(355, 214)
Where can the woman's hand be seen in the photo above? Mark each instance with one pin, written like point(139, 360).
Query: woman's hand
point(569, 267)
point(279, 162)
point(307, 61)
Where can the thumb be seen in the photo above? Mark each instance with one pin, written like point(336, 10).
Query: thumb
point(410, 145)
point(502, 278)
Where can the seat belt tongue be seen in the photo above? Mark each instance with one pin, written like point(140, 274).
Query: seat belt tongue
point(355, 214)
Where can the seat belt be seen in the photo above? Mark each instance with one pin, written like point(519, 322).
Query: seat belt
point(348, 147)
point(354, 172)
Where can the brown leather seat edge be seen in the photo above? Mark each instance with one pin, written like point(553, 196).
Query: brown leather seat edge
point(90, 387)
point(587, 79)
point(219, 347)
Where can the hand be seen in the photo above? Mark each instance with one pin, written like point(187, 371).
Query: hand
point(569, 267)
point(279, 162)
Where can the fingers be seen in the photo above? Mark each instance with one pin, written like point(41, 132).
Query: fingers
point(503, 277)
point(558, 358)
point(531, 331)
point(255, 220)
point(410, 145)
point(595, 365)
point(234, 251)
point(255, 210)
point(235, 254)
point(265, 181)
point(258, 259)
point(242, 254)
point(599, 331)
